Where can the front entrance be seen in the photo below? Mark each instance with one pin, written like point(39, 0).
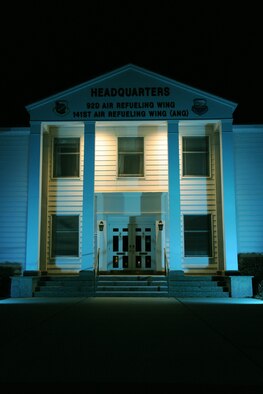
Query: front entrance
point(132, 245)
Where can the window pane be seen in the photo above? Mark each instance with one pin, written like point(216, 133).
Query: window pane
point(130, 165)
point(196, 164)
point(125, 243)
point(130, 144)
point(65, 236)
point(147, 243)
point(66, 157)
point(196, 156)
point(197, 235)
point(197, 222)
point(138, 243)
point(115, 241)
point(197, 244)
point(195, 144)
point(130, 156)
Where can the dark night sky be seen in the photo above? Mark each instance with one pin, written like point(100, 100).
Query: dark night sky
point(48, 49)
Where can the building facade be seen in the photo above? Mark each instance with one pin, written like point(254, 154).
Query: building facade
point(131, 171)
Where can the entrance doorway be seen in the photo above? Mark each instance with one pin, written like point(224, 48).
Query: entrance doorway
point(132, 245)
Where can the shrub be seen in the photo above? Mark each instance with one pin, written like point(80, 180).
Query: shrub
point(252, 264)
point(8, 269)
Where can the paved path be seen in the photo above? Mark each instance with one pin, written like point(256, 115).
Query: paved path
point(205, 344)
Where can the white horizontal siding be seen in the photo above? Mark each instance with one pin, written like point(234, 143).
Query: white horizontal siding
point(249, 190)
point(155, 154)
point(198, 196)
point(64, 197)
point(13, 196)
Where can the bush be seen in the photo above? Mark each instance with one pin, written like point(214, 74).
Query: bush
point(6, 271)
point(252, 264)
point(260, 290)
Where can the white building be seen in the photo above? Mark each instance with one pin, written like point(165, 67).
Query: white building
point(135, 169)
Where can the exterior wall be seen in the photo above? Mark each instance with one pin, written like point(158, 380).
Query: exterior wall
point(155, 156)
point(128, 197)
point(248, 143)
point(198, 195)
point(63, 196)
point(13, 195)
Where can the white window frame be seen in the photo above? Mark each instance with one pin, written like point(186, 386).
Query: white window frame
point(209, 156)
point(53, 176)
point(211, 237)
point(51, 238)
point(123, 176)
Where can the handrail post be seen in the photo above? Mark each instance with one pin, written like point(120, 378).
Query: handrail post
point(96, 268)
point(167, 270)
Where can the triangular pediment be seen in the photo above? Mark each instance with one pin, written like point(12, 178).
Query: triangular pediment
point(131, 93)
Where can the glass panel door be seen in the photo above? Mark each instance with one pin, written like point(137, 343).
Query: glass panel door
point(119, 242)
point(131, 246)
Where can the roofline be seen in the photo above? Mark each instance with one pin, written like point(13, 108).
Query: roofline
point(127, 67)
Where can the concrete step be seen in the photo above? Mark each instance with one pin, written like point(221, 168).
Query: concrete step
point(196, 288)
point(140, 285)
point(57, 286)
point(63, 278)
point(133, 278)
point(131, 288)
point(193, 278)
point(131, 294)
point(181, 284)
point(131, 285)
point(63, 286)
point(63, 294)
point(199, 294)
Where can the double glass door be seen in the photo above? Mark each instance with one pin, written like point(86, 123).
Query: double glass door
point(131, 245)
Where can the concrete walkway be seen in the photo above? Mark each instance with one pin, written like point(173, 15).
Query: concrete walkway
point(210, 345)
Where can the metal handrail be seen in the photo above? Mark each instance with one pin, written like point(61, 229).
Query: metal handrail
point(97, 264)
point(167, 269)
point(166, 264)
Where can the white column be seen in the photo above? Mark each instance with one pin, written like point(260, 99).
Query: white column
point(174, 215)
point(228, 197)
point(34, 198)
point(88, 222)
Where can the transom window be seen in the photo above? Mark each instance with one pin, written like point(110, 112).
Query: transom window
point(196, 156)
point(66, 161)
point(130, 156)
point(65, 235)
point(197, 236)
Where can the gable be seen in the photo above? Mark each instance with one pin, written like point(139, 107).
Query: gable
point(131, 93)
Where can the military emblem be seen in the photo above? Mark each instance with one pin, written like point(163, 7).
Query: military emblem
point(61, 107)
point(199, 106)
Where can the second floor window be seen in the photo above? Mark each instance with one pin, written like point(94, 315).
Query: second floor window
point(66, 161)
point(130, 156)
point(196, 156)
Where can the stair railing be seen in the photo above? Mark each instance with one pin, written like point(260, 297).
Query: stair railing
point(97, 264)
point(166, 268)
point(166, 263)
point(96, 269)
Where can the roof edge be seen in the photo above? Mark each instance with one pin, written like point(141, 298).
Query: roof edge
point(130, 66)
